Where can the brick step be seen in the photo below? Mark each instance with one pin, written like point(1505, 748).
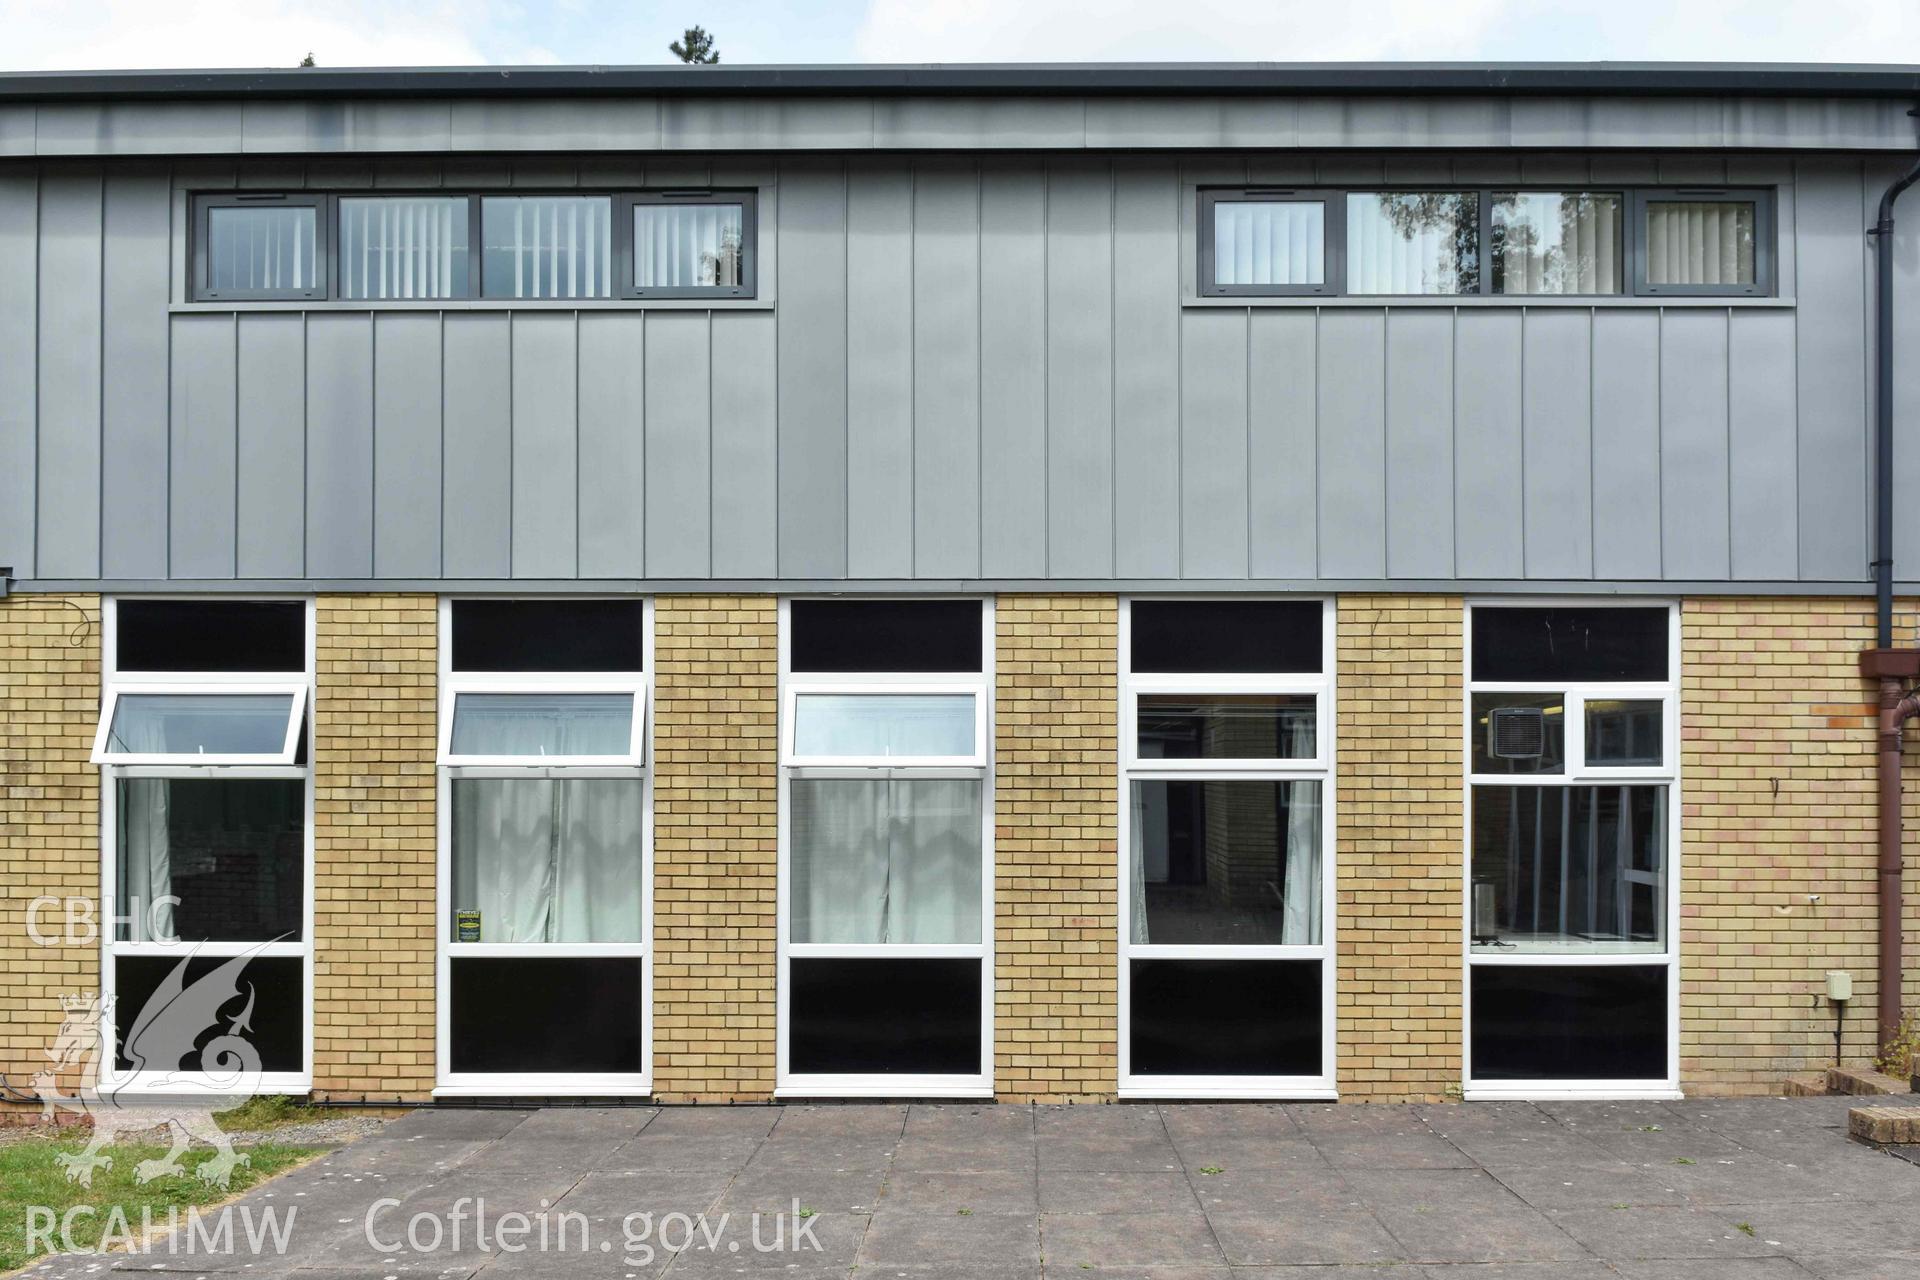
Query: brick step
point(1884, 1125)
point(1862, 1081)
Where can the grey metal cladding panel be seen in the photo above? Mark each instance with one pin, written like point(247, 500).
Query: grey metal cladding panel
point(1693, 445)
point(135, 286)
point(1080, 515)
point(1489, 489)
point(679, 445)
point(19, 377)
point(879, 373)
point(545, 439)
point(1830, 345)
point(270, 446)
point(553, 124)
point(1906, 401)
point(1013, 369)
point(1626, 444)
point(1214, 471)
point(201, 453)
point(813, 369)
point(288, 127)
point(69, 350)
point(1579, 122)
point(1282, 459)
point(946, 370)
point(477, 388)
point(1762, 485)
point(1191, 122)
point(995, 123)
point(17, 129)
point(753, 124)
point(1382, 121)
point(1352, 444)
point(340, 445)
point(1146, 368)
point(613, 449)
point(1420, 372)
point(746, 491)
point(137, 128)
point(1557, 443)
point(406, 445)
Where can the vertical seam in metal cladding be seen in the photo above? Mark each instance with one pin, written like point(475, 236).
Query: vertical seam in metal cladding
point(1453, 430)
point(711, 496)
point(979, 368)
point(1660, 431)
point(1386, 442)
point(511, 373)
point(373, 444)
point(1726, 427)
point(233, 530)
point(1246, 437)
point(846, 370)
point(576, 443)
point(1319, 533)
point(913, 366)
point(100, 400)
point(1521, 392)
point(440, 519)
point(33, 475)
point(1046, 359)
point(1113, 376)
point(1869, 383)
point(1593, 499)
point(1793, 195)
point(166, 480)
point(1179, 395)
point(778, 480)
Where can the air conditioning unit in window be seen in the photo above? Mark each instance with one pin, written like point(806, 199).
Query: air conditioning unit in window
point(1516, 733)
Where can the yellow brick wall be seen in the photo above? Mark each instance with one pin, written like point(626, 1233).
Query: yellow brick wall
point(1056, 834)
point(716, 705)
point(49, 814)
point(1399, 862)
point(1778, 779)
point(374, 846)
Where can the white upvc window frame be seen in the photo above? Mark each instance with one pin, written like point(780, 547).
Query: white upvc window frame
point(1576, 773)
point(115, 767)
point(233, 685)
point(978, 766)
point(1321, 768)
point(449, 1083)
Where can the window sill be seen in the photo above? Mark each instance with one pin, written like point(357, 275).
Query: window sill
point(1671, 303)
point(480, 304)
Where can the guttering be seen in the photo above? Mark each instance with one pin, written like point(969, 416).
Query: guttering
point(1859, 80)
point(1895, 669)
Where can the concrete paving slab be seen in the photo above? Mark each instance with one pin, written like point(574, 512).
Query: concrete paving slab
point(937, 1192)
point(1116, 1191)
point(1306, 1238)
point(1661, 1233)
point(1134, 1239)
point(907, 1238)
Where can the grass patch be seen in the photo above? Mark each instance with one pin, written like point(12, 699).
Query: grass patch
point(29, 1175)
point(268, 1111)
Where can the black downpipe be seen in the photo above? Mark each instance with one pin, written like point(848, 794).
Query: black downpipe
point(1883, 406)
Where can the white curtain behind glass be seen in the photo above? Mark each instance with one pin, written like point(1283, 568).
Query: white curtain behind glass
point(403, 247)
point(1553, 243)
point(886, 859)
point(542, 724)
point(261, 248)
point(549, 859)
point(1411, 243)
point(146, 860)
point(1705, 242)
point(687, 246)
point(1300, 900)
point(1269, 243)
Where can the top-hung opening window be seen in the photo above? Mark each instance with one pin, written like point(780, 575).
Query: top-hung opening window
point(1485, 242)
point(205, 683)
point(545, 682)
point(870, 683)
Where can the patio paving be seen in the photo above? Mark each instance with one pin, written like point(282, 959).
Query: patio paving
point(1734, 1189)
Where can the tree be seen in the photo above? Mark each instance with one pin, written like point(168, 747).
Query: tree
point(695, 46)
point(308, 60)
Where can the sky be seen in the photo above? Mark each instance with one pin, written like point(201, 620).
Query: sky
point(93, 34)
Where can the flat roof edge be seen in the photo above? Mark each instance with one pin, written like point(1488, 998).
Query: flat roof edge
point(1572, 79)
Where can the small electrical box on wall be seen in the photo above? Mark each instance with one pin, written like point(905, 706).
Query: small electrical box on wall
point(1839, 986)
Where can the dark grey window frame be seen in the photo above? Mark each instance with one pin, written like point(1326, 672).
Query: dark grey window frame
point(1333, 239)
point(200, 264)
point(1765, 247)
point(1634, 201)
point(327, 264)
point(623, 257)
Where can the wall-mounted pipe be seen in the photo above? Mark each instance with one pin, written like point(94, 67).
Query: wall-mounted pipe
point(1883, 663)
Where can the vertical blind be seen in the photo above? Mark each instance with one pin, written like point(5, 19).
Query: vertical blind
point(403, 247)
point(255, 247)
point(1269, 242)
point(1412, 242)
point(1700, 242)
point(547, 246)
point(687, 246)
point(1549, 242)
